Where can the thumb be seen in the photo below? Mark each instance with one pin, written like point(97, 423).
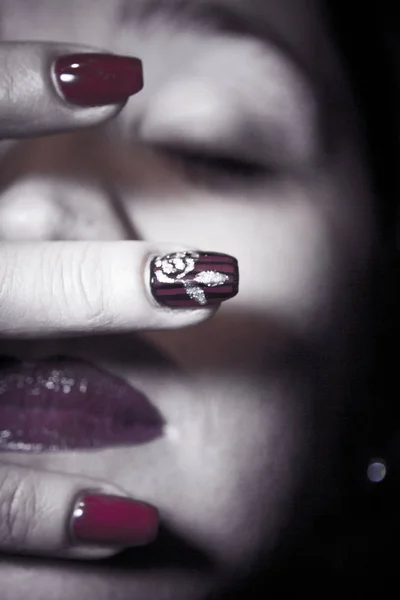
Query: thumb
point(47, 513)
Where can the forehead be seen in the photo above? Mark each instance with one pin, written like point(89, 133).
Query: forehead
point(297, 24)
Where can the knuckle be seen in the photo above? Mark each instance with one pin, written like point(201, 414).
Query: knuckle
point(7, 284)
point(7, 82)
point(87, 277)
point(17, 509)
point(4, 285)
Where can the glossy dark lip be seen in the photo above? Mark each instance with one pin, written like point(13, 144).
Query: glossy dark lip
point(63, 403)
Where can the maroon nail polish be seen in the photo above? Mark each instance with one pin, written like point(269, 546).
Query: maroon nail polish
point(98, 79)
point(107, 520)
point(193, 279)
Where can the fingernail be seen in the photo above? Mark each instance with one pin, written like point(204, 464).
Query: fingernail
point(98, 79)
point(107, 520)
point(193, 279)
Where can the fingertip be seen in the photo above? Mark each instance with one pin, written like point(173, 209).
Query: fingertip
point(193, 279)
point(51, 88)
point(109, 521)
point(94, 79)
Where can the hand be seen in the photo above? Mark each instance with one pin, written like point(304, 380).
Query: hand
point(43, 512)
point(57, 288)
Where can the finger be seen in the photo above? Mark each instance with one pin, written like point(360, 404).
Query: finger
point(51, 288)
point(47, 88)
point(45, 513)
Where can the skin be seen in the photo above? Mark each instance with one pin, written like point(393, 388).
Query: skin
point(251, 397)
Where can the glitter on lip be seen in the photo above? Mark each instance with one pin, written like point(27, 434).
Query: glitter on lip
point(67, 404)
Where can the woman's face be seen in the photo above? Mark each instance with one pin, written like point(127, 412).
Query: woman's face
point(250, 397)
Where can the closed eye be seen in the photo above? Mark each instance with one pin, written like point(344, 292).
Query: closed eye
point(206, 167)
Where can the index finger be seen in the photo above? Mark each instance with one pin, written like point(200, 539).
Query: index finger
point(68, 288)
point(48, 87)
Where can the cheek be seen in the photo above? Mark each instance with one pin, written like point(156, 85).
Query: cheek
point(286, 252)
point(230, 464)
point(242, 454)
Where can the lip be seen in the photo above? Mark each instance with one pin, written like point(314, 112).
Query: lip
point(64, 403)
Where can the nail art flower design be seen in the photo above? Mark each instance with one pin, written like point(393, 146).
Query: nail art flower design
point(175, 266)
point(190, 275)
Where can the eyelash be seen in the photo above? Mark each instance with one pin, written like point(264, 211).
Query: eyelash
point(216, 167)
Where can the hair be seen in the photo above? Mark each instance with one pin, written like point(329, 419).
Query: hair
point(349, 540)
point(370, 51)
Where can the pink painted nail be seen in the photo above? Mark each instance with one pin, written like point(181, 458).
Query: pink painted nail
point(94, 79)
point(107, 520)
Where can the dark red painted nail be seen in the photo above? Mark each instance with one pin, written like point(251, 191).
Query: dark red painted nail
point(193, 279)
point(98, 79)
point(107, 520)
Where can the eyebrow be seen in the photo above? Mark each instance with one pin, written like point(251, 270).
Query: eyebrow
point(233, 16)
point(238, 17)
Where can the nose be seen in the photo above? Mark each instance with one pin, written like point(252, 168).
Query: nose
point(47, 208)
point(28, 212)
